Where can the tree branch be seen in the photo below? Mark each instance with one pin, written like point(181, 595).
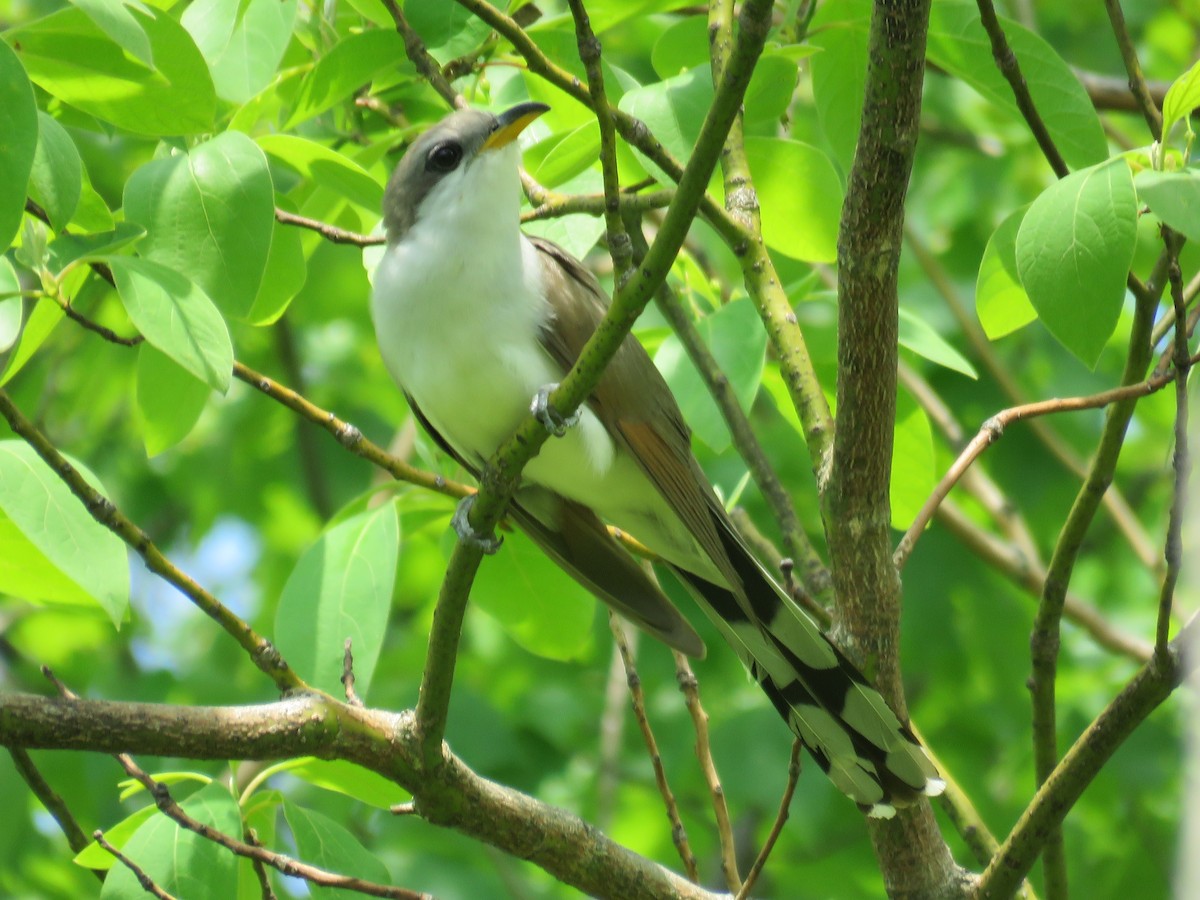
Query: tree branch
point(1065, 784)
point(262, 652)
point(913, 857)
point(386, 743)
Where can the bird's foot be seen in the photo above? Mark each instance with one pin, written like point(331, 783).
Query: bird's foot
point(461, 524)
point(554, 422)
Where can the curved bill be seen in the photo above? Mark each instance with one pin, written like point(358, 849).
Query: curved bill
point(511, 123)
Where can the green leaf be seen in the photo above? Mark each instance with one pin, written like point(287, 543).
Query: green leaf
point(169, 400)
point(353, 62)
point(1074, 248)
point(242, 41)
point(11, 307)
point(27, 573)
point(448, 29)
point(958, 44)
point(209, 215)
point(735, 337)
point(674, 108)
point(71, 58)
point(1174, 197)
point(68, 248)
point(346, 778)
point(176, 316)
point(56, 181)
point(53, 520)
point(913, 476)
point(560, 157)
point(325, 167)
point(537, 604)
point(340, 588)
point(179, 861)
point(1000, 301)
point(285, 276)
point(803, 197)
point(323, 842)
point(18, 142)
point(42, 320)
point(1182, 97)
point(93, 856)
point(920, 337)
point(839, 76)
point(681, 47)
point(114, 19)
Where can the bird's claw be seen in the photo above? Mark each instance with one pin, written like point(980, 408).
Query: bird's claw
point(553, 421)
point(461, 524)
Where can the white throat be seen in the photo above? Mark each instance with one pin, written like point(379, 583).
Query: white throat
point(459, 304)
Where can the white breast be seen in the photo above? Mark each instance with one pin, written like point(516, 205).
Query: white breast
point(458, 319)
point(458, 306)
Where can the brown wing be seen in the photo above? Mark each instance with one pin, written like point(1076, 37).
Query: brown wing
point(575, 538)
point(633, 402)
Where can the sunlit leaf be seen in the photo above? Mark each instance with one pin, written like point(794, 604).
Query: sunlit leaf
point(1074, 247)
point(1174, 197)
point(209, 215)
point(19, 128)
point(169, 399)
point(1000, 300)
point(56, 181)
point(340, 588)
point(55, 521)
point(536, 603)
point(70, 57)
point(176, 316)
point(737, 340)
point(180, 861)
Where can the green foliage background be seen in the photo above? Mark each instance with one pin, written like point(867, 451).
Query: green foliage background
point(258, 504)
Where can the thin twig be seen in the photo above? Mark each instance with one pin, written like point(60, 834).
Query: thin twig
point(147, 883)
point(260, 870)
point(619, 247)
point(552, 205)
point(781, 817)
point(285, 864)
point(51, 800)
point(414, 48)
point(1006, 62)
point(330, 232)
point(348, 675)
point(637, 699)
point(1173, 549)
point(690, 687)
point(1114, 501)
point(1045, 640)
point(1133, 69)
point(261, 651)
point(1065, 784)
point(993, 429)
point(348, 435)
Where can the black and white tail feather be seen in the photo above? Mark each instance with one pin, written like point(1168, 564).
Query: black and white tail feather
point(842, 720)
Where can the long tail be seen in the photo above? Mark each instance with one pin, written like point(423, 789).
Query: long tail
point(844, 722)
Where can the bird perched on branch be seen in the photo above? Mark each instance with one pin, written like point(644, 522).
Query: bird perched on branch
point(474, 320)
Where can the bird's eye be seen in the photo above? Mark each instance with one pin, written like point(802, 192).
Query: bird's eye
point(444, 157)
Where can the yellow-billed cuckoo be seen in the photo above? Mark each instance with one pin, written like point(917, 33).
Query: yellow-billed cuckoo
point(474, 319)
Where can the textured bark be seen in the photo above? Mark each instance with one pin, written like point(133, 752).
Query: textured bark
point(914, 858)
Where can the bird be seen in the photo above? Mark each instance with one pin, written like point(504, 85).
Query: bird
point(477, 321)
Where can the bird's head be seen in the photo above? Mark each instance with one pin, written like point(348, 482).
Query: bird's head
point(462, 161)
